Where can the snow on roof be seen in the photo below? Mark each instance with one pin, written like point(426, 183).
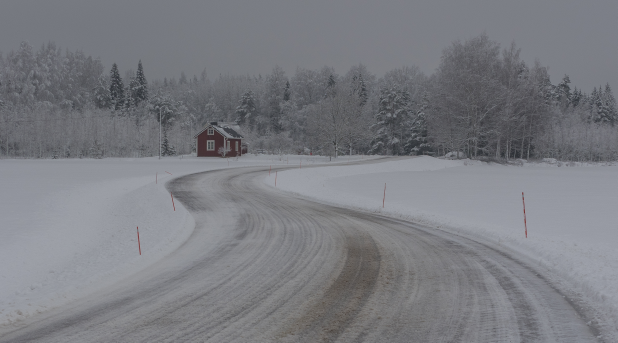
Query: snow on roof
point(228, 130)
point(231, 132)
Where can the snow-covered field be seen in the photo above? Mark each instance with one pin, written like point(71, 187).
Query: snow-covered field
point(572, 212)
point(69, 227)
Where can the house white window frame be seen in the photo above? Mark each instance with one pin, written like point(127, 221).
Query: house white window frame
point(236, 146)
point(228, 146)
point(210, 145)
point(211, 131)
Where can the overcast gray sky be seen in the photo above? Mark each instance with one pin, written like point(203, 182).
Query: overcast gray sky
point(574, 37)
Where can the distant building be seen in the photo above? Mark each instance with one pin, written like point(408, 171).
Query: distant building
point(219, 139)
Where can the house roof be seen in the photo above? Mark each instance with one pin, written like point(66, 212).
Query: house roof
point(225, 129)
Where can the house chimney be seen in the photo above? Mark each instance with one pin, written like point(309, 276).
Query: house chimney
point(213, 123)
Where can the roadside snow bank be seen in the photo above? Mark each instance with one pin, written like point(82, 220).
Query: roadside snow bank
point(70, 226)
point(571, 211)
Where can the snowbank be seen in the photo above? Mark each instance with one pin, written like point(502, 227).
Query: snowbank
point(571, 211)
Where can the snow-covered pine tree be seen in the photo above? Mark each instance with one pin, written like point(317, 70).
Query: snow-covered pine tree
point(576, 97)
point(417, 143)
point(390, 129)
point(610, 104)
point(360, 89)
point(140, 91)
point(129, 100)
point(166, 148)
point(286, 91)
point(273, 96)
point(330, 86)
point(603, 106)
point(563, 92)
point(116, 88)
point(165, 109)
point(101, 95)
point(593, 100)
point(246, 109)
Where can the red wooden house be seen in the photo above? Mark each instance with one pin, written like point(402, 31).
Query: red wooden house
point(218, 139)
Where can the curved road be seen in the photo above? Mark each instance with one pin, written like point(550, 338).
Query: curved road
point(286, 269)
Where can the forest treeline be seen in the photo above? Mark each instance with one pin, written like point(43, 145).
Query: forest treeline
point(482, 101)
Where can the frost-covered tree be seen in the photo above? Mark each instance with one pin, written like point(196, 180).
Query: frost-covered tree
point(330, 86)
point(273, 93)
point(166, 148)
point(576, 97)
point(389, 129)
point(610, 102)
point(246, 110)
point(417, 142)
point(360, 89)
point(467, 94)
point(563, 92)
point(335, 123)
point(223, 151)
point(286, 92)
point(183, 78)
point(165, 109)
point(116, 88)
point(603, 106)
point(101, 94)
point(140, 88)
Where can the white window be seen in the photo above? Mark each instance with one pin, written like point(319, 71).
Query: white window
point(228, 146)
point(211, 132)
point(210, 145)
point(236, 146)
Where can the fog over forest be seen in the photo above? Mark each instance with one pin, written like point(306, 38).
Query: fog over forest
point(483, 101)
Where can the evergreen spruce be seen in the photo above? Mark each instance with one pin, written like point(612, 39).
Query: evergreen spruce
point(330, 87)
point(101, 93)
point(116, 88)
point(417, 143)
point(390, 127)
point(362, 93)
point(286, 92)
point(610, 105)
point(360, 89)
point(166, 148)
point(245, 111)
point(576, 97)
point(140, 89)
point(563, 92)
point(130, 101)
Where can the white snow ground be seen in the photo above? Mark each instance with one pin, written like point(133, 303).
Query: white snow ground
point(69, 227)
point(571, 211)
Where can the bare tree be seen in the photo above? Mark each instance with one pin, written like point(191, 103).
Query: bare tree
point(337, 121)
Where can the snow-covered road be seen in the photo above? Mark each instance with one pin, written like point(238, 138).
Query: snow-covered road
point(262, 265)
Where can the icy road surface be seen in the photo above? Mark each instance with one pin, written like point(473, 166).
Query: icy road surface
point(287, 269)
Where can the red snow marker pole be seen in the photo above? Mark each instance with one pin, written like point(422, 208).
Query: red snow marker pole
point(301, 164)
point(157, 178)
point(138, 245)
point(525, 224)
point(269, 169)
point(275, 178)
point(173, 202)
point(383, 199)
point(169, 173)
